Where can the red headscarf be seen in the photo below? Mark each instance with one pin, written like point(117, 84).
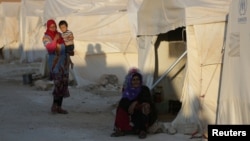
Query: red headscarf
point(52, 34)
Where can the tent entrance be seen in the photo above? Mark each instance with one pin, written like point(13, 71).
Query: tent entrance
point(170, 60)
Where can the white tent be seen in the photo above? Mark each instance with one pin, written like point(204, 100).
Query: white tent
point(205, 23)
point(32, 30)
point(234, 99)
point(9, 29)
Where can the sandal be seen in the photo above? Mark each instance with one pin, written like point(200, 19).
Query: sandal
point(117, 134)
point(61, 111)
point(142, 135)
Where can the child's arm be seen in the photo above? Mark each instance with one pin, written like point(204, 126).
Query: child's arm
point(71, 36)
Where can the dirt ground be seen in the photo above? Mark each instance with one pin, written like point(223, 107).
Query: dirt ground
point(25, 113)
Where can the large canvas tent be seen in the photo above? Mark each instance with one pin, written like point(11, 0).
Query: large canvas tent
point(234, 98)
point(204, 23)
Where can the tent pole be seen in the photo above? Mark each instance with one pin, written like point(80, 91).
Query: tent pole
point(169, 69)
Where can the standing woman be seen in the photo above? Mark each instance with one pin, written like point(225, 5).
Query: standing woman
point(58, 62)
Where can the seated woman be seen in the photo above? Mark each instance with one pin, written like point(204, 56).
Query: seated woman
point(135, 112)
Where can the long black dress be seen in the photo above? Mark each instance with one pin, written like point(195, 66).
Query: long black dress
point(140, 121)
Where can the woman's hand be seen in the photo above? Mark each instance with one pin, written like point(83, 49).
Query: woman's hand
point(132, 107)
point(56, 37)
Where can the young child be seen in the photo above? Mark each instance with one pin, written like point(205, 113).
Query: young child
point(68, 38)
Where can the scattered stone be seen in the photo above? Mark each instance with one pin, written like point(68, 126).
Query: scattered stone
point(107, 85)
point(43, 85)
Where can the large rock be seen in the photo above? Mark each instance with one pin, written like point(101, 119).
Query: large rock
point(107, 79)
point(107, 85)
